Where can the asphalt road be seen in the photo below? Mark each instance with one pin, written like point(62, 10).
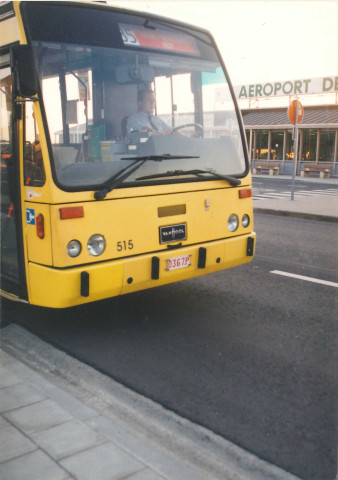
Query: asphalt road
point(247, 353)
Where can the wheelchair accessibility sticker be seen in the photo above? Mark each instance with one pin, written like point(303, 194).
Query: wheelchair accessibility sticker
point(30, 216)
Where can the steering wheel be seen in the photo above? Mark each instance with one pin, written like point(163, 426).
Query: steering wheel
point(185, 125)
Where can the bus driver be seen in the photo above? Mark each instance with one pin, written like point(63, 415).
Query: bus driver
point(145, 119)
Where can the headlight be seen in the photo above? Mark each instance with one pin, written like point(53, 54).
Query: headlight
point(245, 221)
point(96, 245)
point(74, 248)
point(232, 222)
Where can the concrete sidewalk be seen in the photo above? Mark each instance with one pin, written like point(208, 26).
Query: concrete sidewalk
point(313, 207)
point(62, 420)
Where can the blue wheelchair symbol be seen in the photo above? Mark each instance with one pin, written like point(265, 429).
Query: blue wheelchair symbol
point(30, 216)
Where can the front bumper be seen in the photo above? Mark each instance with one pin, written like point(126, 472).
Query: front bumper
point(61, 288)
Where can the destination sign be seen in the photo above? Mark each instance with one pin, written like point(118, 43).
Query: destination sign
point(137, 36)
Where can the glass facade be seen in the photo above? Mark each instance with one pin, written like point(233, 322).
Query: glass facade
point(277, 143)
point(288, 145)
point(262, 144)
point(326, 146)
point(309, 145)
point(314, 145)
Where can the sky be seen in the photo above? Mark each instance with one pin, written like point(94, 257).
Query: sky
point(262, 40)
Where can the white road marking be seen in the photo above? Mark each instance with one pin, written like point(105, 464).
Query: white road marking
point(264, 194)
point(307, 279)
point(278, 194)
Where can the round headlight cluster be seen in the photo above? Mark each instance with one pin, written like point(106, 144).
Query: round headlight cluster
point(74, 248)
point(95, 246)
point(232, 223)
point(245, 221)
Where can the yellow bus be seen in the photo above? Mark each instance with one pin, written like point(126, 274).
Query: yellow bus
point(102, 195)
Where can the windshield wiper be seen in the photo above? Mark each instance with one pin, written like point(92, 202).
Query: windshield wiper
point(159, 158)
point(120, 176)
point(234, 182)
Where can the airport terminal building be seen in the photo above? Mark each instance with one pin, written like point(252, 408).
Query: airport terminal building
point(269, 131)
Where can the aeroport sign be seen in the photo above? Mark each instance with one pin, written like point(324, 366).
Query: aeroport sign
point(288, 87)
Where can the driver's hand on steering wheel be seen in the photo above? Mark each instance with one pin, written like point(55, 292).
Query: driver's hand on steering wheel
point(164, 132)
point(167, 132)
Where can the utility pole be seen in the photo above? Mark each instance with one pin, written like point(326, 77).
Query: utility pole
point(295, 114)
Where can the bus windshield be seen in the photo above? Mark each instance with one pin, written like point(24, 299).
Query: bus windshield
point(146, 90)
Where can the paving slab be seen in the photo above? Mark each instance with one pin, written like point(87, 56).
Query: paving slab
point(13, 443)
point(146, 474)
point(32, 466)
point(66, 401)
point(104, 462)
point(5, 359)
point(37, 417)
point(7, 378)
point(3, 421)
point(67, 439)
point(158, 461)
point(16, 396)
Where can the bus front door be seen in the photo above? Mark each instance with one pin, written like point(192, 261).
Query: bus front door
point(11, 274)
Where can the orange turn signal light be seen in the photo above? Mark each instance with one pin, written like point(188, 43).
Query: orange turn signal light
point(71, 212)
point(245, 193)
point(40, 226)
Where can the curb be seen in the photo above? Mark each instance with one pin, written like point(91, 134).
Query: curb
point(304, 215)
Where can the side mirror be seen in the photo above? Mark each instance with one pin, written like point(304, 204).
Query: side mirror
point(26, 76)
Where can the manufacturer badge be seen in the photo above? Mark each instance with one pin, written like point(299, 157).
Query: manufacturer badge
point(172, 233)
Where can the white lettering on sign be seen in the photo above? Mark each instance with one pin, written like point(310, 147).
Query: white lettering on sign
point(288, 87)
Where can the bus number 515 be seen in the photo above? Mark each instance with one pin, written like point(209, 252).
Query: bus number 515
point(124, 245)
